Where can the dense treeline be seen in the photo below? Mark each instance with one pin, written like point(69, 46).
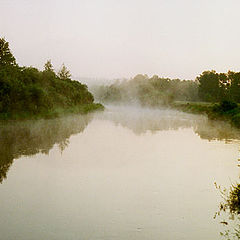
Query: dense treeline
point(220, 91)
point(147, 91)
point(217, 87)
point(27, 91)
point(210, 86)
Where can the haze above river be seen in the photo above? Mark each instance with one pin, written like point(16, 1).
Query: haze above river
point(127, 173)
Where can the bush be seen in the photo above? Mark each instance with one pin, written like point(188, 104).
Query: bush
point(26, 91)
point(236, 120)
point(226, 105)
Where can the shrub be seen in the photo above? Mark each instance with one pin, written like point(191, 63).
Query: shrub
point(226, 105)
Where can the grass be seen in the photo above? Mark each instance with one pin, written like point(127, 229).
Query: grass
point(226, 110)
point(57, 112)
point(193, 107)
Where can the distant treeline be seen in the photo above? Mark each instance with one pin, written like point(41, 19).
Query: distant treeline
point(148, 91)
point(27, 91)
point(208, 87)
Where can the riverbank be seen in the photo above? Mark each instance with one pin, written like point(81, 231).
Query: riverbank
point(226, 110)
point(29, 93)
point(54, 113)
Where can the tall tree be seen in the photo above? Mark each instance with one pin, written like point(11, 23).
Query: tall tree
point(209, 89)
point(48, 67)
point(6, 57)
point(234, 89)
point(64, 73)
point(48, 72)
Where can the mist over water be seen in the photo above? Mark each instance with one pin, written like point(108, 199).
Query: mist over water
point(144, 119)
point(141, 120)
point(125, 173)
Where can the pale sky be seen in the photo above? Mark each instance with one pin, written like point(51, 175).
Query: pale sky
point(121, 38)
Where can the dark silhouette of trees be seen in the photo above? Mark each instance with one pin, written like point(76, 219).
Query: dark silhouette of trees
point(6, 57)
point(209, 87)
point(26, 91)
point(48, 67)
point(234, 86)
point(64, 73)
point(217, 87)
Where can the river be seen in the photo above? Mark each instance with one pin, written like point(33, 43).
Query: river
point(127, 173)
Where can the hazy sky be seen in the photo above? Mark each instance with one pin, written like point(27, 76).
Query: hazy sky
point(121, 38)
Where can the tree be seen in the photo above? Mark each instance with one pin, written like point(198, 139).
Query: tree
point(64, 73)
point(48, 67)
point(209, 89)
point(48, 72)
point(234, 88)
point(6, 57)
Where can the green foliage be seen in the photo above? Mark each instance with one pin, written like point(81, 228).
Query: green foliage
point(48, 67)
point(193, 107)
point(64, 73)
point(231, 199)
point(6, 57)
point(147, 91)
point(231, 206)
point(226, 110)
point(209, 89)
point(215, 87)
point(26, 91)
point(225, 106)
point(236, 119)
point(210, 86)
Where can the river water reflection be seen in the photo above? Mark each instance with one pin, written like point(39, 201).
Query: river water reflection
point(123, 174)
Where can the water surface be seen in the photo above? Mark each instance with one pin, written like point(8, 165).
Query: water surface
point(124, 174)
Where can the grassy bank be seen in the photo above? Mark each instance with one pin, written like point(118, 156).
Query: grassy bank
point(193, 107)
point(226, 110)
point(53, 113)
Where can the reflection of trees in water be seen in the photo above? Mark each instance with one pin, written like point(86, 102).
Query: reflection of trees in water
point(217, 130)
point(162, 120)
point(229, 211)
point(32, 137)
point(141, 120)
